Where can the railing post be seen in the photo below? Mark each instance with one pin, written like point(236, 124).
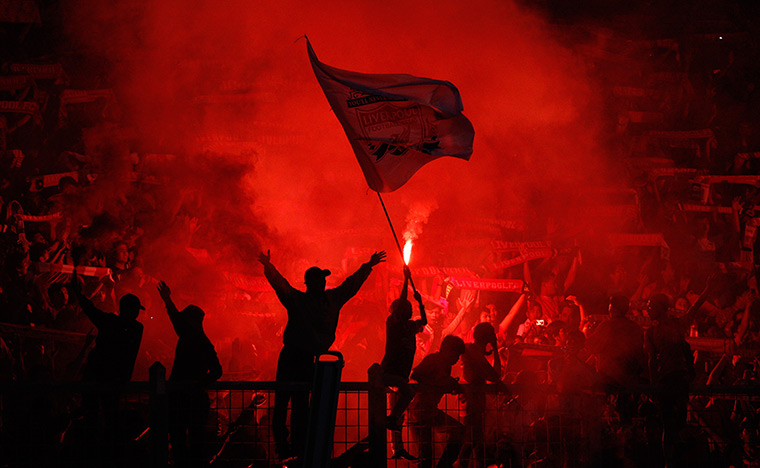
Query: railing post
point(377, 409)
point(323, 409)
point(159, 417)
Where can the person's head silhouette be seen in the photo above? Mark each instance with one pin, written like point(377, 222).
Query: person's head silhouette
point(658, 306)
point(129, 306)
point(484, 333)
point(193, 315)
point(402, 309)
point(619, 306)
point(315, 279)
point(451, 348)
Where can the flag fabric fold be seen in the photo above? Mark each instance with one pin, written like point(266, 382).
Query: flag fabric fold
point(395, 123)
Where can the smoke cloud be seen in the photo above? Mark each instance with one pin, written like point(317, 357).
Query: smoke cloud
point(259, 161)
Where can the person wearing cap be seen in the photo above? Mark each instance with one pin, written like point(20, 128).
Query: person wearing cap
point(111, 360)
point(113, 357)
point(195, 364)
point(310, 331)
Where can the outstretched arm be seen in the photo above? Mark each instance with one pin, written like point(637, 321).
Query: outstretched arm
point(744, 324)
point(691, 314)
point(464, 304)
point(280, 285)
point(351, 285)
point(93, 313)
point(570, 278)
point(171, 309)
point(507, 321)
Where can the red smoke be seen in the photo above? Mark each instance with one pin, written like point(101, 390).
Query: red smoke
point(262, 163)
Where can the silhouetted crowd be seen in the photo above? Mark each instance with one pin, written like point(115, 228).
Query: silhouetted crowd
point(620, 325)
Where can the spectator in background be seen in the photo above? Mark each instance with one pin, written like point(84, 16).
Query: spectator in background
point(530, 328)
point(618, 345)
point(671, 370)
point(477, 372)
point(435, 373)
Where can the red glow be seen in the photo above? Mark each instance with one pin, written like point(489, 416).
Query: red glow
point(254, 159)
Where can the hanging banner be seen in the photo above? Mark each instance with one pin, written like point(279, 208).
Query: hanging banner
point(707, 208)
point(641, 240)
point(485, 284)
point(41, 71)
point(15, 82)
point(22, 107)
point(83, 96)
point(249, 283)
point(672, 171)
point(730, 179)
point(509, 246)
point(97, 272)
point(41, 219)
point(527, 256)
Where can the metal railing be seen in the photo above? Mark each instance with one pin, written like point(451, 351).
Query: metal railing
point(61, 424)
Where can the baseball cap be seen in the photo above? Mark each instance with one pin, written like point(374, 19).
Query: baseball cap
point(130, 301)
point(315, 273)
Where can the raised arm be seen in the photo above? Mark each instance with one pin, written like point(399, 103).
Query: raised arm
point(691, 314)
point(350, 286)
point(95, 315)
point(570, 278)
point(464, 304)
point(171, 309)
point(280, 285)
point(507, 321)
point(744, 324)
point(496, 375)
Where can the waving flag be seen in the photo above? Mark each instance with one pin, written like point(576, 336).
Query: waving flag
point(395, 123)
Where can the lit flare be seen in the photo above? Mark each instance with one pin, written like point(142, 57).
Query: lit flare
point(407, 251)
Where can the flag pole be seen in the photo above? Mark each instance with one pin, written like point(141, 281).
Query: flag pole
point(395, 237)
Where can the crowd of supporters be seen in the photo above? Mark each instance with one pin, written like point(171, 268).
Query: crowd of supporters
point(685, 128)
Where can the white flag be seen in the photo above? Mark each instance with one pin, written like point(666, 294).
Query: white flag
point(395, 123)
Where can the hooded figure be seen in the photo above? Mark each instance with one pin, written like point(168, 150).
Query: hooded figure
point(195, 364)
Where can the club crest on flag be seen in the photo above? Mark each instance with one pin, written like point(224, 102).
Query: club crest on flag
point(395, 128)
point(395, 123)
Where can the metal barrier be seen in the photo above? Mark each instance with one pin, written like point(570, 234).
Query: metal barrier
point(56, 424)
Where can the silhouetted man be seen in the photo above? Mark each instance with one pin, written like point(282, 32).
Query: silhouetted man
point(477, 372)
point(310, 331)
point(435, 372)
point(195, 364)
point(618, 344)
point(111, 360)
point(671, 368)
point(400, 345)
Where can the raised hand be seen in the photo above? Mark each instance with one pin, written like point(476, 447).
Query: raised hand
point(264, 257)
point(164, 291)
point(466, 298)
point(376, 258)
